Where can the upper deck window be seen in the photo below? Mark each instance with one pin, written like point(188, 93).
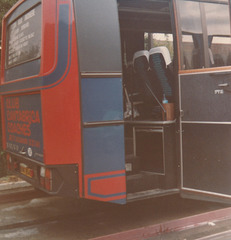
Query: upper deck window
point(24, 38)
point(205, 34)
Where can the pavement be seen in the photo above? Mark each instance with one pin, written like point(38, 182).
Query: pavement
point(211, 225)
point(13, 185)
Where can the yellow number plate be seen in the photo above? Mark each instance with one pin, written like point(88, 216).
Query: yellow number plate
point(26, 171)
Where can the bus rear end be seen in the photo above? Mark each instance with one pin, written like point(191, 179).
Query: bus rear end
point(68, 112)
point(88, 92)
point(40, 100)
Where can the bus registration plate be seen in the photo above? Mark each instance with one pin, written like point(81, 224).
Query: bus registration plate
point(26, 171)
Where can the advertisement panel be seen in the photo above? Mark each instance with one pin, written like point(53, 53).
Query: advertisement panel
point(23, 124)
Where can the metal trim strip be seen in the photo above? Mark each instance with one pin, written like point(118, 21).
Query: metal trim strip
point(205, 192)
point(181, 137)
point(209, 71)
point(152, 123)
point(101, 74)
point(206, 122)
point(106, 123)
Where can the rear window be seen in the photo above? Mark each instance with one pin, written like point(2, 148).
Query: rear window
point(24, 38)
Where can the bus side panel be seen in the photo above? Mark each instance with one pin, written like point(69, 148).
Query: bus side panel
point(103, 142)
point(104, 163)
point(62, 128)
point(62, 121)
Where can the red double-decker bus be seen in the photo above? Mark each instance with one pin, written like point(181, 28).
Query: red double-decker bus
point(118, 100)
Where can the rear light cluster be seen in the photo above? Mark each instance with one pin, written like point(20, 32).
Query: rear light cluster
point(12, 165)
point(9, 162)
point(45, 177)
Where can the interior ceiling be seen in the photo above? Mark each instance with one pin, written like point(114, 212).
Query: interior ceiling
point(143, 15)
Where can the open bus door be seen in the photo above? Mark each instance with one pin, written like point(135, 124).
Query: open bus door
point(204, 97)
point(125, 157)
point(102, 100)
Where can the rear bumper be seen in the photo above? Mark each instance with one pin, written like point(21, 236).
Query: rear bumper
point(64, 179)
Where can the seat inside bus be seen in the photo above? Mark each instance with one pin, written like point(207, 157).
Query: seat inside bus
point(152, 72)
point(160, 61)
point(146, 74)
point(143, 78)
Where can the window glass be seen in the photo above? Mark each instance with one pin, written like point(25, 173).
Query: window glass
point(24, 38)
point(191, 35)
point(98, 35)
point(218, 29)
point(205, 34)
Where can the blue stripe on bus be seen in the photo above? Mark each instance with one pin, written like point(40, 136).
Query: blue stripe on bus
point(57, 75)
point(120, 201)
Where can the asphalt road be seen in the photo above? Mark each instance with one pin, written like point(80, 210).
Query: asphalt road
point(49, 218)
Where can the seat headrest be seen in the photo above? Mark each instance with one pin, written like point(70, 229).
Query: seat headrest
point(165, 53)
point(141, 53)
point(141, 58)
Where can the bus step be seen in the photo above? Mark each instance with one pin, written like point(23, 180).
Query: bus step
point(150, 194)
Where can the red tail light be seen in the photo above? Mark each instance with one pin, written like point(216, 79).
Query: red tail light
point(9, 162)
point(46, 178)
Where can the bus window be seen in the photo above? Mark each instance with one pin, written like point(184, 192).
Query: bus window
point(98, 40)
point(191, 30)
point(219, 40)
point(204, 43)
point(23, 44)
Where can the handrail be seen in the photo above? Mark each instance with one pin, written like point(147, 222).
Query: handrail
point(152, 93)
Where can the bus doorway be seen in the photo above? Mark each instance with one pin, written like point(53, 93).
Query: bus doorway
point(149, 78)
